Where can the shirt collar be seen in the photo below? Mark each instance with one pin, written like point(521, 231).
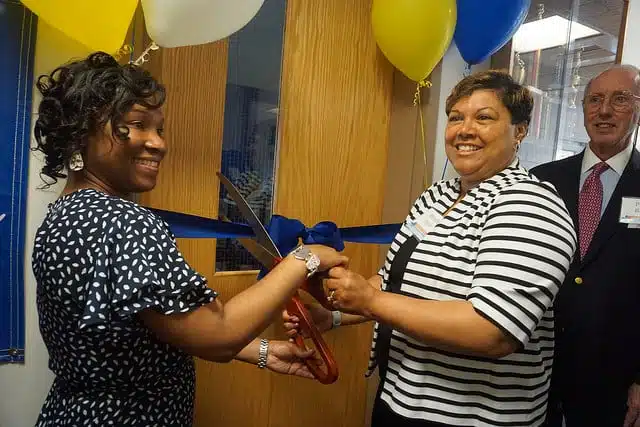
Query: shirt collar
point(504, 175)
point(618, 162)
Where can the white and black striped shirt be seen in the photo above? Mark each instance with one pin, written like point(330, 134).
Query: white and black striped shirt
point(506, 248)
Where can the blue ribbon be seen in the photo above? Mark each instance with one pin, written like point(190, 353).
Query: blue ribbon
point(197, 227)
point(285, 232)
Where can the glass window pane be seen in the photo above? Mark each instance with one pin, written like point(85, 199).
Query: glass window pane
point(250, 124)
point(561, 46)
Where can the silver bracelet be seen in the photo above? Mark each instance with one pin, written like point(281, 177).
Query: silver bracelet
point(336, 319)
point(263, 353)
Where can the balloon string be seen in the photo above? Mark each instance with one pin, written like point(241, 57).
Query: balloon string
point(417, 102)
point(467, 70)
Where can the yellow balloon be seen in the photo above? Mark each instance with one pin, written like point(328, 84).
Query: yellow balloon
point(97, 24)
point(414, 34)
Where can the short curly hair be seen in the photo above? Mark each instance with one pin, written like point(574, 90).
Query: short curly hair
point(515, 97)
point(80, 98)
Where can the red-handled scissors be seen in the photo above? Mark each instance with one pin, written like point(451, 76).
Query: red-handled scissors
point(267, 253)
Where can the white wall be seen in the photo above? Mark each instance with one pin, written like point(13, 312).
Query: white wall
point(631, 49)
point(23, 388)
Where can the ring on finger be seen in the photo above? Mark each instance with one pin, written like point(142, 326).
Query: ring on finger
point(330, 297)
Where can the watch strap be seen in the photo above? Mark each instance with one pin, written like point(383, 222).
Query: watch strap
point(336, 318)
point(311, 260)
point(263, 352)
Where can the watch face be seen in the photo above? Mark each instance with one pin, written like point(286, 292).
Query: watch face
point(302, 252)
point(313, 263)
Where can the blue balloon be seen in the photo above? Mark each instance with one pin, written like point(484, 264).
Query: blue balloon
point(484, 27)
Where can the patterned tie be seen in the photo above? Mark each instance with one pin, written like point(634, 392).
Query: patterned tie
point(590, 205)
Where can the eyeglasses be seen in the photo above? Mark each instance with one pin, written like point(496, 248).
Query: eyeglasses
point(620, 100)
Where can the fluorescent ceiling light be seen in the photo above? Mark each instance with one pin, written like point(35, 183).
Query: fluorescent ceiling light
point(548, 32)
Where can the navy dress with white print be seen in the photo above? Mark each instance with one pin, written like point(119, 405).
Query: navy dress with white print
point(99, 260)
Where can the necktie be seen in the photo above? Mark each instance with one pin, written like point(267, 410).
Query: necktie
point(589, 206)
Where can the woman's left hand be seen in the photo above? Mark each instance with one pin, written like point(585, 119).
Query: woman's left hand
point(287, 358)
point(350, 292)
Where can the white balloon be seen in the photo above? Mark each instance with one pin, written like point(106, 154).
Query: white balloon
point(173, 23)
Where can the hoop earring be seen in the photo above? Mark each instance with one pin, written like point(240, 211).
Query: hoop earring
point(76, 162)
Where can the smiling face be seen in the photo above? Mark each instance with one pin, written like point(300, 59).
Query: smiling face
point(611, 111)
point(131, 164)
point(480, 139)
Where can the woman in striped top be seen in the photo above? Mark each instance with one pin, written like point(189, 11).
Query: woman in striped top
point(463, 304)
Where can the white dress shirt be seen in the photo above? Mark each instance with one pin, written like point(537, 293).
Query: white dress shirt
point(611, 176)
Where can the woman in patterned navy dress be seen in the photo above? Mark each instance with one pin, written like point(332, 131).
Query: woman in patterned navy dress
point(121, 311)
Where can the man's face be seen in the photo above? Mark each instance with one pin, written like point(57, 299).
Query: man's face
point(611, 111)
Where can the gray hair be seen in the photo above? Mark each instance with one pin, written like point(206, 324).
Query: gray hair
point(626, 67)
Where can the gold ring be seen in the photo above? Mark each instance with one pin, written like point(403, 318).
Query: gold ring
point(330, 297)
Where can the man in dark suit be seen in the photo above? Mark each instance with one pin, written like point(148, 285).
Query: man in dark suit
point(596, 367)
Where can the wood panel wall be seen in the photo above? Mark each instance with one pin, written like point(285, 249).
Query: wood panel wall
point(333, 141)
point(336, 109)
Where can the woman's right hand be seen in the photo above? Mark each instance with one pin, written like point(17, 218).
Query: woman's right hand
point(328, 256)
point(320, 315)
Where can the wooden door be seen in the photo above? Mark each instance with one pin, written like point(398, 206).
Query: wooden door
point(333, 135)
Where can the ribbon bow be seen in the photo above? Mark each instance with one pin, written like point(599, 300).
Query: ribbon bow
point(286, 233)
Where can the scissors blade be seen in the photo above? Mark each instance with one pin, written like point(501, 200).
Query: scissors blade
point(259, 252)
point(262, 237)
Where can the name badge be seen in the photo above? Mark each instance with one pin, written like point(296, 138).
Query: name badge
point(424, 224)
point(630, 212)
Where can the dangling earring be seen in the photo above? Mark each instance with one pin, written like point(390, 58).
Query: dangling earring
point(76, 162)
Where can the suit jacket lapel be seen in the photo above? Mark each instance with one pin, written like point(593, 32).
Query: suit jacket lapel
point(569, 186)
point(609, 223)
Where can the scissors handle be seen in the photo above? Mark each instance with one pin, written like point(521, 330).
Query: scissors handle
point(315, 289)
point(297, 308)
